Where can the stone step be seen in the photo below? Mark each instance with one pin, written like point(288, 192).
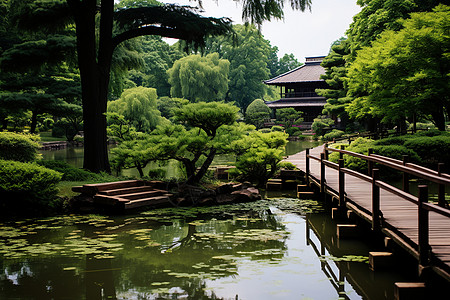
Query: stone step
point(108, 200)
point(94, 188)
point(305, 195)
point(152, 201)
point(303, 188)
point(127, 190)
point(141, 195)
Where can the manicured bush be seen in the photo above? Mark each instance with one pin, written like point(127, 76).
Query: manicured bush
point(69, 173)
point(397, 152)
point(321, 124)
point(294, 131)
point(265, 130)
point(431, 150)
point(395, 140)
point(286, 165)
point(19, 147)
point(277, 128)
point(334, 134)
point(26, 187)
point(157, 173)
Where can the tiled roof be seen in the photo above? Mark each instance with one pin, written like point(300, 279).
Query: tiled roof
point(308, 72)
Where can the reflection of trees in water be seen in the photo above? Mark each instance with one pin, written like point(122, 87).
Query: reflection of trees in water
point(208, 248)
point(206, 251)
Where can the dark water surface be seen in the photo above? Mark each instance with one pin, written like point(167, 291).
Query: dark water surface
point(269, 249)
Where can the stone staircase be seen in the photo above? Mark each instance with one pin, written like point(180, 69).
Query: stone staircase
point(128, 194)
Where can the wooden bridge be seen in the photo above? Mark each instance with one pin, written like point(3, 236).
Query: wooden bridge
point(419, 227)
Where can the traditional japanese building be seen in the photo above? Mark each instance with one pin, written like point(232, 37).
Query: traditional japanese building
point(298, 89)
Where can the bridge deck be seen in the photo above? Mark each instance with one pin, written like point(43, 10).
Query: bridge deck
point(399, 215)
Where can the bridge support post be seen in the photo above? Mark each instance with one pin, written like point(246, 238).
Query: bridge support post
point(441, 192)
point(341, 183)
point(322, 173)
point(424, 247)
point(370, 163)
point(307, 165)
point(341, 155)
point(375, 201)
point(405, 175)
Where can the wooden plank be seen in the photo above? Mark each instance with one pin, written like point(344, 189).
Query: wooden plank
point(398, 214)
point(128, 190)
point(153, 201)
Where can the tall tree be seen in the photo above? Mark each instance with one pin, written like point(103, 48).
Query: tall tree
point(96, 42)
point(405, 72)
point(199, 78)
point(249, 58)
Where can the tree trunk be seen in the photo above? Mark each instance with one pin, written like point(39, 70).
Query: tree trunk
point(204, 168)
point(33, 121)
point(94, 83)
point(438, 118)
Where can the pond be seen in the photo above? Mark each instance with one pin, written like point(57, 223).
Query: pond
point(280, 248)
point(74, 156)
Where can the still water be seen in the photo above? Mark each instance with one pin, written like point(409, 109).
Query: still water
point(74, 156)
point(269, 249)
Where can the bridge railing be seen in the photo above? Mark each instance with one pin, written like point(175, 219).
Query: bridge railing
point(422, 251)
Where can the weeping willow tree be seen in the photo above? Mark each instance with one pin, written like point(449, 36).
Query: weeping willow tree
point(100, 28)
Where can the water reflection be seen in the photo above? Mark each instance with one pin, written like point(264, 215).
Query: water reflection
point(246, 251)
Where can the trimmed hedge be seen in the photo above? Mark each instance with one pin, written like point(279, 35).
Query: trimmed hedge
point(18, 147)
point(70, 173)
point(26, 186)
point(431, 150)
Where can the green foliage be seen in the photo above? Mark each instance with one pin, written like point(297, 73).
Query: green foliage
point(205, 129)
point(404, 72)
point(157, 173)
point(287, 165)
point(431, 150)
point(26, 186)
point(138, 107)
point(277, 128)
point(167, 104)
point(207, 116)
point(257, 112)
point(260, 155)
point(289, 116)
point(334, 134)
point(69, 173)
point(18, 147)
point(249, 58)
point(199, 78)
point(294, 131)
point(321, 125)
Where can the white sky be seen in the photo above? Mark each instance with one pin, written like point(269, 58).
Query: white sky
point(301, 33)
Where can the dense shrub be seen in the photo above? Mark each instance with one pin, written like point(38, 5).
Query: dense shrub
point(286, 165)
point(26, 187)
point(431, 150)
point(69, 173)
point(334, 134)
point(19, 147)
point(277, 128)
point(321, 124)
point(294, 131)
point(157, 173)
point(256, 113)
point(397, 152)
point(265, 130)
point(395, 140)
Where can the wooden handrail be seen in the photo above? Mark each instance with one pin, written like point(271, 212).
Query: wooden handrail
point(428, 175)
